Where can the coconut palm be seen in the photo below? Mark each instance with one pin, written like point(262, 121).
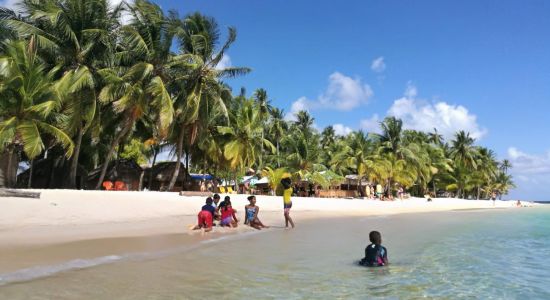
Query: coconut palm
point(138, 86)
point(28, 105)
point(244, 133)
point(78, 35)
point(505, 165)
point(260, 95)
point(277, 129)
point(463, 150)
point(198, 37)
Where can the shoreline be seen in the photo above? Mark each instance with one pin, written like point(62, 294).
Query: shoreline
point(63, 224)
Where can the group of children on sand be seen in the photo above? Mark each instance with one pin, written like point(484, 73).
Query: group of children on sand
point(213, 210)
point(376, 255)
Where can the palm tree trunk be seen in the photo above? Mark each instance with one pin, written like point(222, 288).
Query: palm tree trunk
point(140, 186)
point(10, 180)
point(278, 163)
point(29, 184)
point(261, 151)
point(74, 160)
point(178, 160)
point(105, 165)
point(152, 166)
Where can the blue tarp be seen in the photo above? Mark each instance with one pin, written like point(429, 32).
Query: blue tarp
point(201, 176)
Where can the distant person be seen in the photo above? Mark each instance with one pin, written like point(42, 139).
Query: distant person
point(287, 203)
point(228, 214)
point(518, 203)
point(400, 193)
point(379, 191)
point(209, 186)
point(251, 217)
point(367, 191)
point(203, 186)
point(376, 255)
point(206, 216)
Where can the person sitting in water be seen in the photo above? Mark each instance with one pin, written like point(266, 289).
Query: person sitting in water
point(206, 216)
point(251, 217)
point(228, 214)
point(376, 255)
point(215, 201)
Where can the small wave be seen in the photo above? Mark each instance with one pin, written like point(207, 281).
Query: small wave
point(44, 271)
point(37, 272)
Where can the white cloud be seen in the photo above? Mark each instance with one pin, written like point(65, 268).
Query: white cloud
point(378, 65)
point(531, 173)
point(225, 62)
point(342, 93)
point(342, 130)
point(447, 118)
point(301, 104)
point(11, 4)
point(529, 164)
point(372, 124)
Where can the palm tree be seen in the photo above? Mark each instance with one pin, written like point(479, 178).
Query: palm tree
point(463, 150)
point(198, 37)
point(142, 87)
point(505, 165)
point(263, 103)
point(303, 123)
point(277, 129)
point(244, 133)
point(435, 137)
point(29, 102)
point(79, 35)
point(390, 138)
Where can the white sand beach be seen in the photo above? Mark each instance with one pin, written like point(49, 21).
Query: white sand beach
point(67, 215)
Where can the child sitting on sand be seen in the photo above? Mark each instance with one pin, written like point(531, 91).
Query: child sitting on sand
point(206, 216)
point(376, 255)
point(228, 214)
point(251, 217)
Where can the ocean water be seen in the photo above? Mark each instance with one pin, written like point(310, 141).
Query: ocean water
point(491, 254)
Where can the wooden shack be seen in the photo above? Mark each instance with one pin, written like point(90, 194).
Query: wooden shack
point(127, 171)
point(158, 177)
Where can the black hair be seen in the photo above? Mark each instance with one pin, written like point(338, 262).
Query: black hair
point(226, 198)
point(209, 200)
point(286, 182)
point(216, 196)
point(375, 237)
point(250, 198)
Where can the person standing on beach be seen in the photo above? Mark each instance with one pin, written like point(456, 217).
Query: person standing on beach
point(287, 203)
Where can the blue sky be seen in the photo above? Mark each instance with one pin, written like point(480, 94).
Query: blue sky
point(480, 66)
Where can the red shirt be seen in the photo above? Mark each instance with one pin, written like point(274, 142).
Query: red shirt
point(227, 212)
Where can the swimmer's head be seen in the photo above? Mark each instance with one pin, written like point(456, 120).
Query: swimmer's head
point(375, 237)
point(216, 198)
point(252, 199)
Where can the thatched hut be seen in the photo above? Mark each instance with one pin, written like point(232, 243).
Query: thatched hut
point(51, 173)
point(127, 171)
point(158, 177)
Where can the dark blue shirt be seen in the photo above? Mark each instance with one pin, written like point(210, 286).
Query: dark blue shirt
point(375, 256)
point(209, 208)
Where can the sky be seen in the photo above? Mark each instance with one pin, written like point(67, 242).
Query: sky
point(478, 66)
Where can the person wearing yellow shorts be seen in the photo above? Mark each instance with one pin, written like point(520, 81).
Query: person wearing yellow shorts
point(287, 203)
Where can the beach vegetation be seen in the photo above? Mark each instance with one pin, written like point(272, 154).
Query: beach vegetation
point(88, 83)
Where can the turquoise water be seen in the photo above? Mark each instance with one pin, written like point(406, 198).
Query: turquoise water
point(496, 254)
